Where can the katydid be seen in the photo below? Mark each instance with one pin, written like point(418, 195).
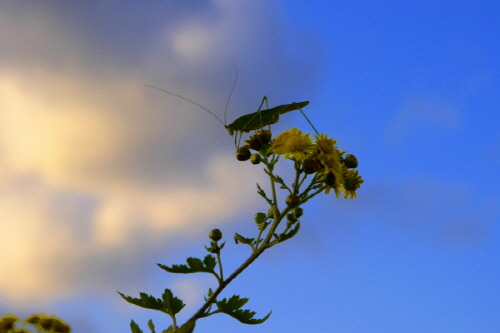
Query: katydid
point(262, 118)
point(251, 121)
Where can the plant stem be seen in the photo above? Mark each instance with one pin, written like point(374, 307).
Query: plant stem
point(258, 249)
point(220, 267)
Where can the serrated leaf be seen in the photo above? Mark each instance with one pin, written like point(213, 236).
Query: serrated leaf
point(194, 265)
point(278, 180)
point(261, 192)
point(151, 326)
point(171, 303)
point(210, 261)
point(244, 240)
point(146, 301)
point(290, 233)
point(134, 327)
point(232, 307)
point(233, 303)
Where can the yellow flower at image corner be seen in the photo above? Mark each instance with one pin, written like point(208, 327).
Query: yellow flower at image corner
point(7, 323)
point(293, 143)
point(352, 181)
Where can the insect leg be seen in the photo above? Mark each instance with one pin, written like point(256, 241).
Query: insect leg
point(310, 123)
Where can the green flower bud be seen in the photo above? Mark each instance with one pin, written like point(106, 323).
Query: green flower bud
point(215, 235)
point(351, 161)
point(243, 153)
point(292, 200)
point(260, 218)
point(297, 212)
point(255, 159)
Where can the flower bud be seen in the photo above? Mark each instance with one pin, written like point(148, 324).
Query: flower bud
point(243, 153)
point(215, 235)
point(311, 166)
point(259, 140)
point(297, 212)
point(330, 179)
point(255, 159)
point(292, 200)
point(260, 218)
point(351, 161)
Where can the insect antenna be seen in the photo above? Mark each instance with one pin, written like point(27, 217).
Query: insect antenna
point(190, 101)
point(232, 88)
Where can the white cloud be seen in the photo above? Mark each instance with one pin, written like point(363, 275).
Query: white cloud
point(96, 170)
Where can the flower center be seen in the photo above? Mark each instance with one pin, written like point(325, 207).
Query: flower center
point(325, 147)
point(294, 144)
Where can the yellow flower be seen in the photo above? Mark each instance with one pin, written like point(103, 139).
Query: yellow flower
point(7, 323)
point(328, 155)
point(331, 162)
point(352, 181)
point(325, 144)
point(293, 143)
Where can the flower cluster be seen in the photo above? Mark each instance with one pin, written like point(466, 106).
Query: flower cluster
point(42, 323)
point(331, 167)
point(319, 167)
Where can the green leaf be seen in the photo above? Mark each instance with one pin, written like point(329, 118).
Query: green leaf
point(170, 329)
point(134, 327)
point(232, 307)
point(171, 304)
point(261, 192)
point(244, 240)
point(168, 304)
point(194, 265)
point(279, 180)
point(151, 326)
point(290, 233)
point(146, 301)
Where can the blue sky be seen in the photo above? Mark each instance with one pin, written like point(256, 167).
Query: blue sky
point(103, 177)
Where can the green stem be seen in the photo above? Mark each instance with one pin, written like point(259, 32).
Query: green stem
point(255, 254)
point(220, 267)
point(174, 321)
